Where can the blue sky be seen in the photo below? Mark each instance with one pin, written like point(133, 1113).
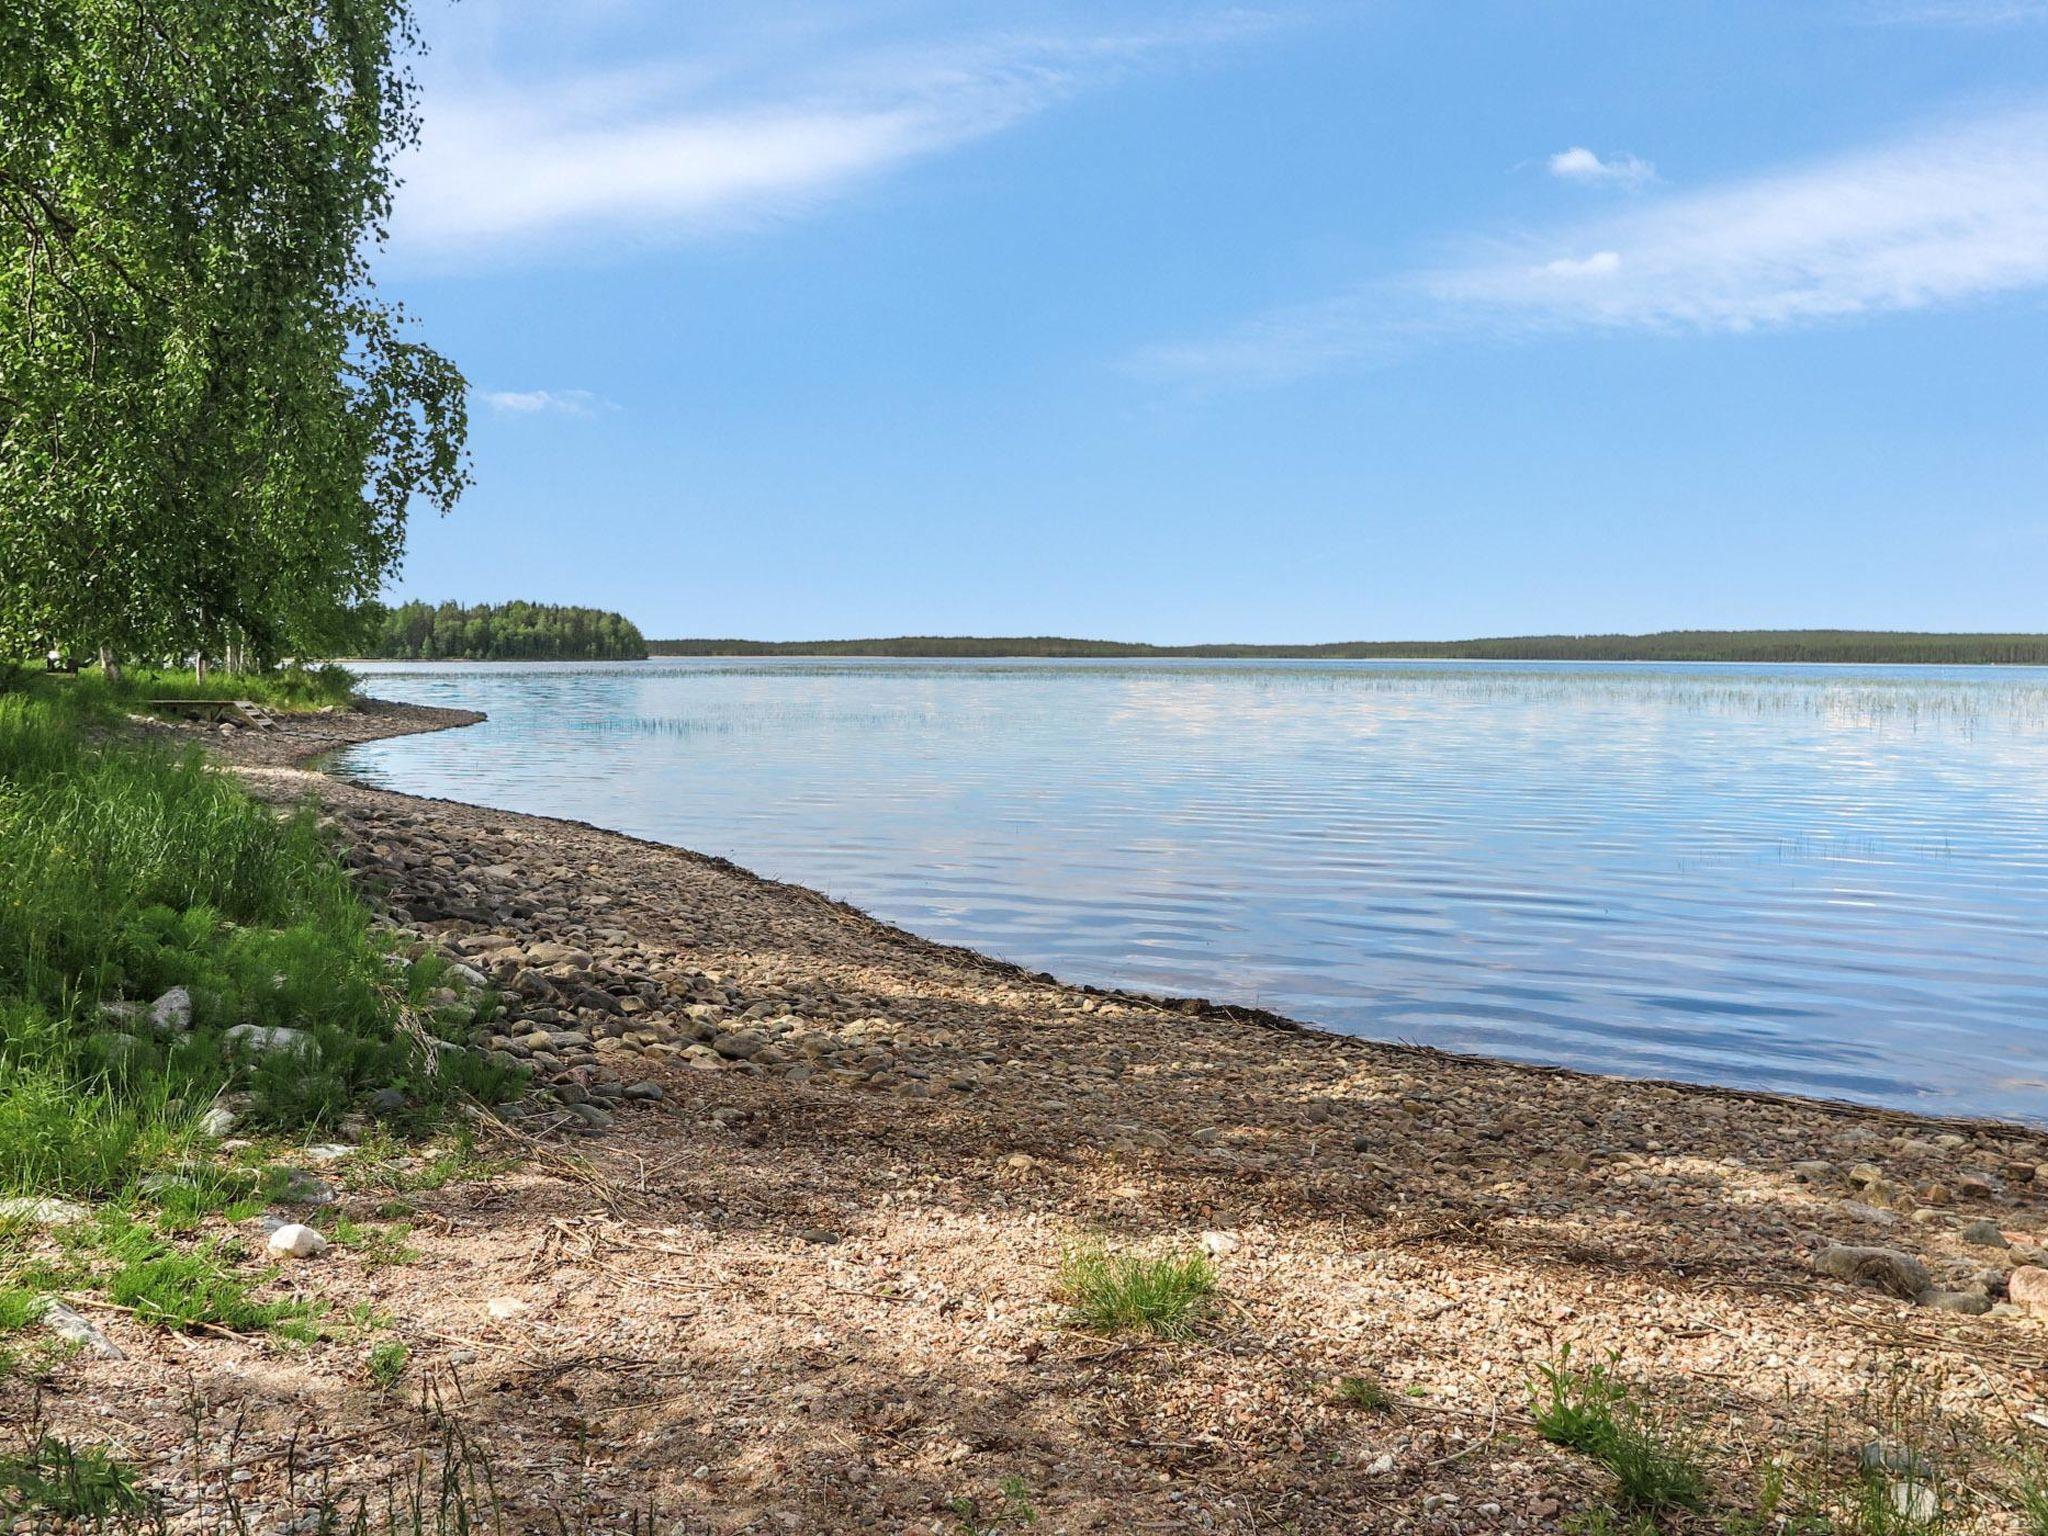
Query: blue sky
point(1205, 322)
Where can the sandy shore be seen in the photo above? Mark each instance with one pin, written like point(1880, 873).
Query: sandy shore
point(791, 1264)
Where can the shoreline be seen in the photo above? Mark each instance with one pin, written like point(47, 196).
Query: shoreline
point(403, 719)
point(794, 1265)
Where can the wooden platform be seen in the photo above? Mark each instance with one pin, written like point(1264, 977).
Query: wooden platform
point(230, 711)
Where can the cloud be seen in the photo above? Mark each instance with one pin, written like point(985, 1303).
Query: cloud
point(1968, 13)
point(551, 402)
point(1580, 164)
point(672, 150)
point(1940, 218)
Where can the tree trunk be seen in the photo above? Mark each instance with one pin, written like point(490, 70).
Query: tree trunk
point(110, 665)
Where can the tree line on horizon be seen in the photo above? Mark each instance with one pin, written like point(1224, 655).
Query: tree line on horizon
point(515, 631)
point(1870, 647)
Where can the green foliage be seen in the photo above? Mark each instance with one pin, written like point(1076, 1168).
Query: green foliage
point(52, 1477)
point(386, 1364)
point(211, 427)
point(1114, 1291)
point(1593, 1410)
point(282, 688)
point(503, 632)
point(1873, 647)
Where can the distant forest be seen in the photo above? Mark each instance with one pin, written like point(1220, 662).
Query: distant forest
point(1788, 645)
point(502, 632)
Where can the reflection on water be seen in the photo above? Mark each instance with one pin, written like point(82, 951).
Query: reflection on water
point(1822, 879)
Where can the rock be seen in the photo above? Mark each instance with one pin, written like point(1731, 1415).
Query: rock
point(329, 1151)
point(1813, 1170)
point(1969, 1303)
point(1913, 1501)
point(1884, 1456)
point(504, 1308)
point(1884, 1269)
point(739, 1044)
point(1984, 1234)
point(73, 1329)
point(1216, 1244)
point(385, 1101)
point(262, 1040)
point(295, 1186)
point(41, 1213)
point(295, 1240)
point(558, 954)
point(217, 1122)
point(597, 1119)
point(646, 1089)
point(1863, 1175)
point(2027, 1289)
point(821, 1235)
point(171, 1014)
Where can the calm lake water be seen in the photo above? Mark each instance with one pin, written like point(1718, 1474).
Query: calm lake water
point(1826, 880)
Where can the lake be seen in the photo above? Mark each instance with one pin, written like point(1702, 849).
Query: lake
point(1824, 880)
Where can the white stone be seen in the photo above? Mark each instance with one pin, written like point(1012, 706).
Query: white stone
point(41, 1213)
point(260, 1039)
point(73, 1329)
point(328, 1151)
point(1216, 1244)
point(217, 1122)
point(295, 1240)
point(504, 1308)
point(171, 1014)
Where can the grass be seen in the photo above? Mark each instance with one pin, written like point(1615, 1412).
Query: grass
point(386, 1363)
point(1114, 1291)
point(53, 1478)
point(1595, 1411)
point(188, 1288)
point(1364, 1392)
point(128, 869)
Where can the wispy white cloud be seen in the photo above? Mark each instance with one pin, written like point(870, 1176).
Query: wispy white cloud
point(1582, 165)
point(545, 402)
point(660, 150)
point(1943, 217)
point(1966, 13)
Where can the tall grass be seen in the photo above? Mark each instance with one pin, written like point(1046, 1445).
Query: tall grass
point(127, 869)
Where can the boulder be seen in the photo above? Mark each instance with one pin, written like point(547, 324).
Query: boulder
point(2027, 1289)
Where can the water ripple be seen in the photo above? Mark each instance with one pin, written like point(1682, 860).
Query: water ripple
point(1822, 879)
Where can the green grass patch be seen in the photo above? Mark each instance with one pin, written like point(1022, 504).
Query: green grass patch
point(128, 869)
point(1596, 1411)
point(386, 1364)
point(1114, 1291)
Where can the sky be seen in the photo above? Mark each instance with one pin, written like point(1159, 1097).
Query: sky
point(1202, 322)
